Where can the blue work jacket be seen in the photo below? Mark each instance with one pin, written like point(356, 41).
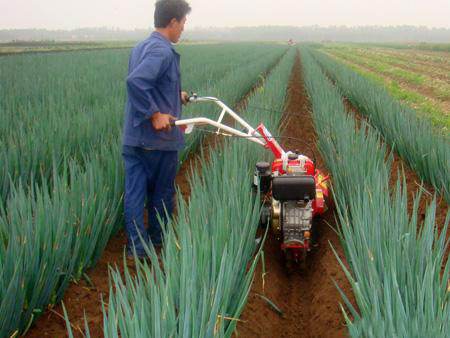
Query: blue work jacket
point(153, 85)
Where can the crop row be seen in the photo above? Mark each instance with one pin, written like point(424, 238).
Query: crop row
point(426, 152)
point(395, 260)
point(65, 107)
point(422, 47)
point(439, 88)
point(208, 256)
point(427, 106)
point(404, 61)
point(53, 230)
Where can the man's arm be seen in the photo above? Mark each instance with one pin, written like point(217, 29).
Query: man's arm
point(142, 79)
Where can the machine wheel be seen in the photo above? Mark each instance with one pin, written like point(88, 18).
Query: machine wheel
point(315, 232)
point(265, 217)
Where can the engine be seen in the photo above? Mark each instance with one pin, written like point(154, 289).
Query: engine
point(292, 192)
point(296, 223)
point(294, 195)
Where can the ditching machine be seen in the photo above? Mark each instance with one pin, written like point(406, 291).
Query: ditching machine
point(293, 191)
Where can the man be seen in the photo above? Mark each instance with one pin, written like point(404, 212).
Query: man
point(150, 144)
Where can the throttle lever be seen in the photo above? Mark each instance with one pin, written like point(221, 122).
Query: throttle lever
point(193, 97)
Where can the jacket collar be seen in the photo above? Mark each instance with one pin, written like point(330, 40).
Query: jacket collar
point(162, 38)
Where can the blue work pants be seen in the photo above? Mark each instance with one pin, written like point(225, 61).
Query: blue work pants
point(149, 181)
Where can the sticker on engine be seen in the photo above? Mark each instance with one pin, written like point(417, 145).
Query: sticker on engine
point(319, 194)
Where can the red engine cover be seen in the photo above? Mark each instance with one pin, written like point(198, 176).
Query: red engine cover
point(277, 165)
point(318, 205)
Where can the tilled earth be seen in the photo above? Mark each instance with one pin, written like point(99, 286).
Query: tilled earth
point(308, 298)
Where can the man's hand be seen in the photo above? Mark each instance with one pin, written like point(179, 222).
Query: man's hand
point(184, 98)
point(162, 121)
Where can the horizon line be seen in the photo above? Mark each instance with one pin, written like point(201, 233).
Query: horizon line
point(234, 27)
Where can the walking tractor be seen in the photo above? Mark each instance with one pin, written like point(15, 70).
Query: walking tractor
point(293, 191)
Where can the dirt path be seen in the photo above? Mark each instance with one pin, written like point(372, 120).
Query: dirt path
point(309, 299)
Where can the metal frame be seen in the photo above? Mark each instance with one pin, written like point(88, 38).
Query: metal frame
point(251, 134)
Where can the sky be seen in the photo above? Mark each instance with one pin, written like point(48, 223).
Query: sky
point(131, 14)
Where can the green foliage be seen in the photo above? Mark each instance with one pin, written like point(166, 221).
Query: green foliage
point(425, 46)
point(423, 106)
point(395, 260)
point(426, 152)
point(16, 47)
point(67, 105)
point(438, 47)
point(423, 84)
point(208, 255)
point(377, 65)
point(50, 236)
point(394, 68)
point(60, 164)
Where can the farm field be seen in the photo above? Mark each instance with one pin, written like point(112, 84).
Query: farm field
point(423, 46)
point(21, 47)
point(34, 47)
point(381, 267)
point(420, 78)
point(59, 137)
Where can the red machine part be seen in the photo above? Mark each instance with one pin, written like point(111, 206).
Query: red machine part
point(271, 143)
point(296, 247)
point(297, 250)
point(308, 167)
point(318, 204)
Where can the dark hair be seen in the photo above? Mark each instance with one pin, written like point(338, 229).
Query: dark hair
point(166, 10)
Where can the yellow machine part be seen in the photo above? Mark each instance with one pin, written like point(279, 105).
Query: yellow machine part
point(276, 217)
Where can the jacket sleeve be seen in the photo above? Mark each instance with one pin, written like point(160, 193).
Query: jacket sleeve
point(142, 80)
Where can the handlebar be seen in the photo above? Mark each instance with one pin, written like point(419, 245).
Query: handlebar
point(193, 97)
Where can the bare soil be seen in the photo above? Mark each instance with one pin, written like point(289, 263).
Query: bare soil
point(308, 298)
